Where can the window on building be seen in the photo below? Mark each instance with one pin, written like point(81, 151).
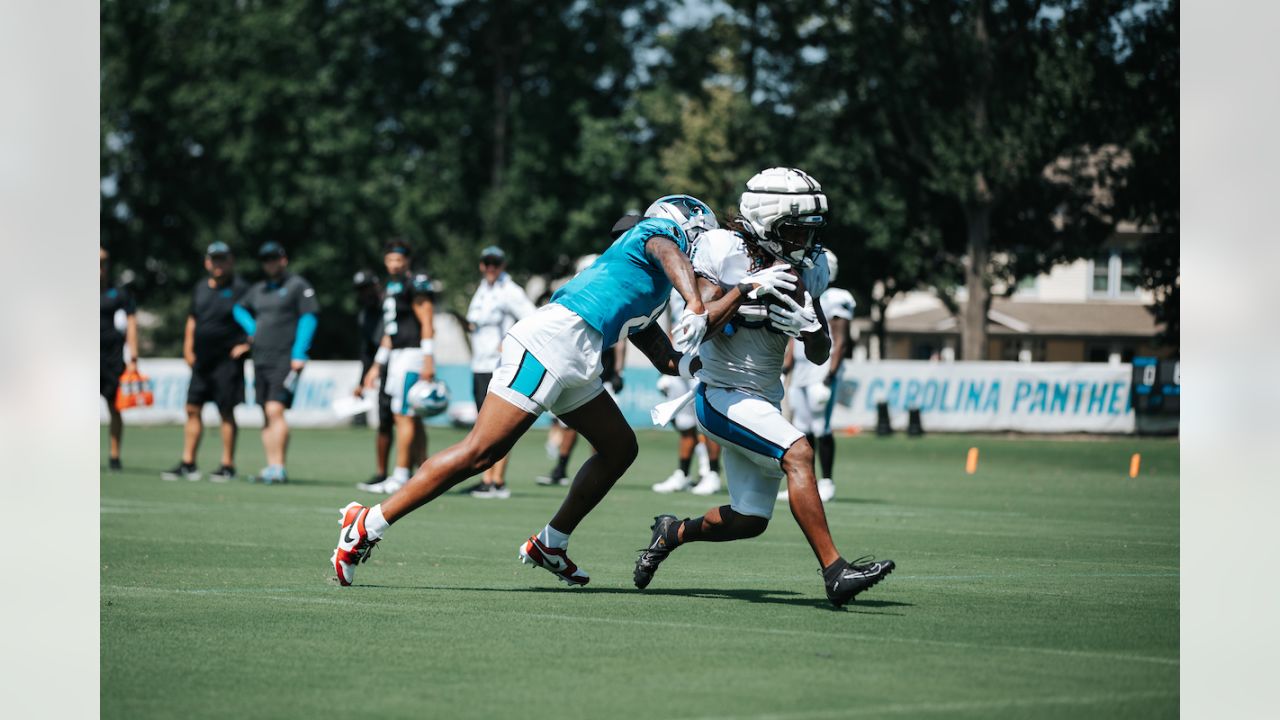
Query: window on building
point(1115, 274)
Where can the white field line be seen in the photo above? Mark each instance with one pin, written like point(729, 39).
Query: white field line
point(292, 596)
point(952, 707)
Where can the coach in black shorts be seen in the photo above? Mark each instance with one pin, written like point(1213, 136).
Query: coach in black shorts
point(214, 347)
point(279, 315)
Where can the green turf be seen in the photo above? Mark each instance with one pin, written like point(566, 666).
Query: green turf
point(1044, 586)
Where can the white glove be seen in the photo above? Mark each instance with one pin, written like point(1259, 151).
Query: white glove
point(687, 335)
point(793, 319)
point(768, 281)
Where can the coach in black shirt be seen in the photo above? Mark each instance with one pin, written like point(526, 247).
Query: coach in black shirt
point(279, 315)
point(214, 347)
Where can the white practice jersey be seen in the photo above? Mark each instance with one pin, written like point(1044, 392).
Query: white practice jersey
point(836, 303)
point(749, 358)
point(493, 310)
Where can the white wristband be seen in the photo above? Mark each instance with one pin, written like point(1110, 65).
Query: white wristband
point(380, 357)
point(685, 361)
point(428, 347)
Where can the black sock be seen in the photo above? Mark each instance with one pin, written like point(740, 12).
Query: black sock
point(561, 467)
point(832, 571)
point(714, 464)
point(692, 529)
point(827, 454)
point(684, 464)
point(671, 538)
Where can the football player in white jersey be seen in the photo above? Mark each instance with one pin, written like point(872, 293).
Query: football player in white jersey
point(812, 384)
point(686, 423)
point(740, 388)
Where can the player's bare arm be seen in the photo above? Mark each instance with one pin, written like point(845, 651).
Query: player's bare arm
point(721, 302)
point(678, 269)
point(424, 309)
point(838, 328)
point(817, 344)
point(131, 341)
point(375, 370)
point(189, 342)
point(656, 346)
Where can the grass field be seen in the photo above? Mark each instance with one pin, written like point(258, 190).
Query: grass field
point(1046, 585)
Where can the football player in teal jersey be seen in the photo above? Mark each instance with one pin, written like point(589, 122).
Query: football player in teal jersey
point(551, 361)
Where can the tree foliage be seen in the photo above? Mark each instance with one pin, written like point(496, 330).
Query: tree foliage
point(331, 125)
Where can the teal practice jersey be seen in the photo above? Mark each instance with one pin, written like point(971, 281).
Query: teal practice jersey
point(623, 290)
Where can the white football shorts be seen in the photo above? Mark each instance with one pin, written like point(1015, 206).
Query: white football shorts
point(811, 407)
point(754, 436)
point(550, 362)
point(404, 368)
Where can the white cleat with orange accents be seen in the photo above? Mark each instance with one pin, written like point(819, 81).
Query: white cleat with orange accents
point(554, 560)
point(354, 544)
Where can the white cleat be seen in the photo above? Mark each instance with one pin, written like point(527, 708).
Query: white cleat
point(826, 490)
point(677, 482)
point(553, 560)
point(386, 487)
point(708, 485)
point(354, 544)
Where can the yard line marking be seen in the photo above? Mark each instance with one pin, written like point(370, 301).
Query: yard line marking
point(855, 636)
point(950, 707)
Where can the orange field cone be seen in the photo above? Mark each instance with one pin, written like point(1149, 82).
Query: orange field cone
point(971, 463)
point(1135, 463)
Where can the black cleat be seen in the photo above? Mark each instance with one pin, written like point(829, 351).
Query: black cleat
point(225, 473)
point(113, 465)
point(181, 471)
point(845, 583)
point(652, 556)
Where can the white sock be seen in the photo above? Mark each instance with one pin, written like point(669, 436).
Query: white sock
point(552, 537)
point(400, 475)
point(704, 461)
point(374, 523)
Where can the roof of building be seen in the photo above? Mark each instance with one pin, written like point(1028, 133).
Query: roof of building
point(1011, 317)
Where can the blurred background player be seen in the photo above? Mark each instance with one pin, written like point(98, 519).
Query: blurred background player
point(691, 442)
point(497, 304)
point(279, 314)
point(214, 346)
point(406, 356)
point(117, 347)
point(369, 333)
point(812, 386)
point(739, 393)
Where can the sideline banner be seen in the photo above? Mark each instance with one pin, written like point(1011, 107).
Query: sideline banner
point(952, 397)
point(988, 396)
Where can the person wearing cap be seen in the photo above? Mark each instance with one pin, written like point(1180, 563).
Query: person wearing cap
point(279, 314)
point(214, 347)
point(369, 331)
point(406, 356)
point(117, 348)
point(497, 305)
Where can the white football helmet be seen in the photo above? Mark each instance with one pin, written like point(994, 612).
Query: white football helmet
point(785, 209)
point(427, 399)
point(690, 213)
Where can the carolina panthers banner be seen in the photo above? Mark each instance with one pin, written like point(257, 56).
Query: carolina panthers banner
point(952, 397)
point(988, 396)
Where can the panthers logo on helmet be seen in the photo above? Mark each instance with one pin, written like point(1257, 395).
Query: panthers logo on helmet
point(785, 209)
point(690, 213)
point(428, 399)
